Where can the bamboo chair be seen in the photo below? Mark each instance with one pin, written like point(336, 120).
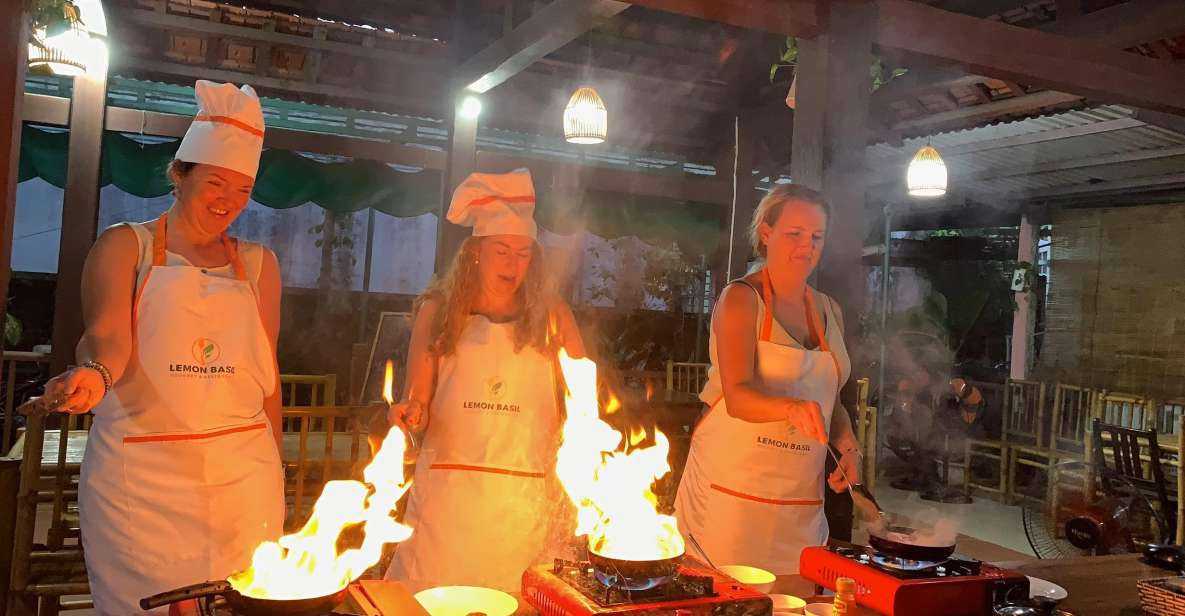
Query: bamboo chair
point(687, 377)
point(51, 460)
point(1073, 410)
point(318, 451)
point(1125, 410)
point(1021, 423)
point(305, 390)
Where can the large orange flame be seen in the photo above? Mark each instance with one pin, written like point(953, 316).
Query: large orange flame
point(310, 562)
point(612, 487)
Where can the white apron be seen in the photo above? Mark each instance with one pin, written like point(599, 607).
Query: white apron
point(182, 478)
point(484, 494)
point(752, 493)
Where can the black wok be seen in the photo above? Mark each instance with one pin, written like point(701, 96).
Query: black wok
point(248, 606)
point(634, 574)
point(897, 541)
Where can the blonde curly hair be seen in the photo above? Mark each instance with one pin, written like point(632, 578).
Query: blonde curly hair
point(457, 294)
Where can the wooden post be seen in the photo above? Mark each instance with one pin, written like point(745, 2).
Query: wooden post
point(80, 210)
point(1024, 317)
point(10, 481)
point(830, 136)
point(462, 160)
point(462, 152)
point(13, 45)
point(830, 126)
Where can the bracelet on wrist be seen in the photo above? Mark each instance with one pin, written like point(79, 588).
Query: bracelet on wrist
point(104, 373)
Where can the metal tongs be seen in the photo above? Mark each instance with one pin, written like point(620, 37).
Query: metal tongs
point(862, 497)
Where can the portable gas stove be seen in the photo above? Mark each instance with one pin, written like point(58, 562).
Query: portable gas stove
point(570, 588)
point(897, 587)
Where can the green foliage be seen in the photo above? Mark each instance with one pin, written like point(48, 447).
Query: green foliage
point(13, 330)
point(879, 72)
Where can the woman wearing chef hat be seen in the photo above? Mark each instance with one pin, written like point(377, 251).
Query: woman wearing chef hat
point(752, 490)
point(182, 477)
point(480, 378)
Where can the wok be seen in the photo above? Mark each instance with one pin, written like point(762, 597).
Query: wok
point(247, 606)
point(634, 574)
point(898, 541)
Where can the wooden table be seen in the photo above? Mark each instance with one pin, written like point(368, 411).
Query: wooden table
point(1097, 585)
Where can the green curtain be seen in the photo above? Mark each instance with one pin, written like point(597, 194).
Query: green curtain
point(287, 179)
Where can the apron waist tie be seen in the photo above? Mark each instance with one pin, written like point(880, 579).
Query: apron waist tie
point(193, 436)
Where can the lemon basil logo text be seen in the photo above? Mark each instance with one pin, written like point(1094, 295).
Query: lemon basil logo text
point(496, 390)
point(205, 353)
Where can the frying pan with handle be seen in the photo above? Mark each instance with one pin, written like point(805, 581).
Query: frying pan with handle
point(247, 606)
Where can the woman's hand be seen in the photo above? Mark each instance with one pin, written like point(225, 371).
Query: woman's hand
point(407, 415)
point(806, 416)
point(847, 473)
point(82, 388)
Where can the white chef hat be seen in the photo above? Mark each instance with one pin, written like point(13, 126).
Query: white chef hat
point(495, 204)
point(227, 130)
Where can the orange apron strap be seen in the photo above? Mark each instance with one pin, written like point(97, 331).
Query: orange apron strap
point(158, 240)
point(820, 334)
point(767, 296)
point(232, 254)
point(159, 245)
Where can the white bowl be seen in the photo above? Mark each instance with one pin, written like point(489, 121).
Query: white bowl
point(787, 604)
point(463, 600)
point(758, 579)
point(819, 609)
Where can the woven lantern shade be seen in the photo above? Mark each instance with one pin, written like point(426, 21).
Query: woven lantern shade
point(585, 118)
point(926, 176)
point(73, 44)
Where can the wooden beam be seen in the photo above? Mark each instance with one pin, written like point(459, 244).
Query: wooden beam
point(800, 18)
point(80, 211)
point(13, 59)
point(1047, 60)
point(1125, 25)
point(545, 31)
point(155, 20)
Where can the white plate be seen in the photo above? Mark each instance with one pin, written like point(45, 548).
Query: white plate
point(1044, 588)
point(464, 600)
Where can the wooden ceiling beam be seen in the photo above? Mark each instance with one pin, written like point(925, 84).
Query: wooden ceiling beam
point(1125, 25)
point(800, 18)
point(165, 21)
point(545, 31)
point(1012, 53)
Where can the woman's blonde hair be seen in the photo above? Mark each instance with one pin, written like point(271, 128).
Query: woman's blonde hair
point(771, 206)
point(457, 294)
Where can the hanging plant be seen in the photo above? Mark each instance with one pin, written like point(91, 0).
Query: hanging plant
point(54, 16)
point(879, 72)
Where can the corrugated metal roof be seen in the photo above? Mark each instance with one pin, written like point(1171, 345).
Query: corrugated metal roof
point(1035, 157)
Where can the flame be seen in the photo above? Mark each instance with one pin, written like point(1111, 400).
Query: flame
point(309, 562)
point(613, 404)
point(611, 488)
point(649, 390)
point(637, 435)
point(388, 382)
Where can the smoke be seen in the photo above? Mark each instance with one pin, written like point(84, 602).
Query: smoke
point(928, 528)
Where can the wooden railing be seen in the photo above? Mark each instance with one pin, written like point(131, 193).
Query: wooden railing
point(14, 362)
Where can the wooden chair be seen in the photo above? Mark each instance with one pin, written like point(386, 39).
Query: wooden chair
point(305, 390)
point(1069, 429)
point(1021, 423)
point(1121, 452)
point(50, 461)
point(1125, 410)
point(328, 443)
point(21, 371)
point(687, 377)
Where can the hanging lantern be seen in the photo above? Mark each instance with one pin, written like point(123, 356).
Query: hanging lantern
point(926, 176)
point(71, 43)
point(585, 118)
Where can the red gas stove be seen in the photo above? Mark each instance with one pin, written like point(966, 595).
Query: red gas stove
point(896, 587)
point(570, 588)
